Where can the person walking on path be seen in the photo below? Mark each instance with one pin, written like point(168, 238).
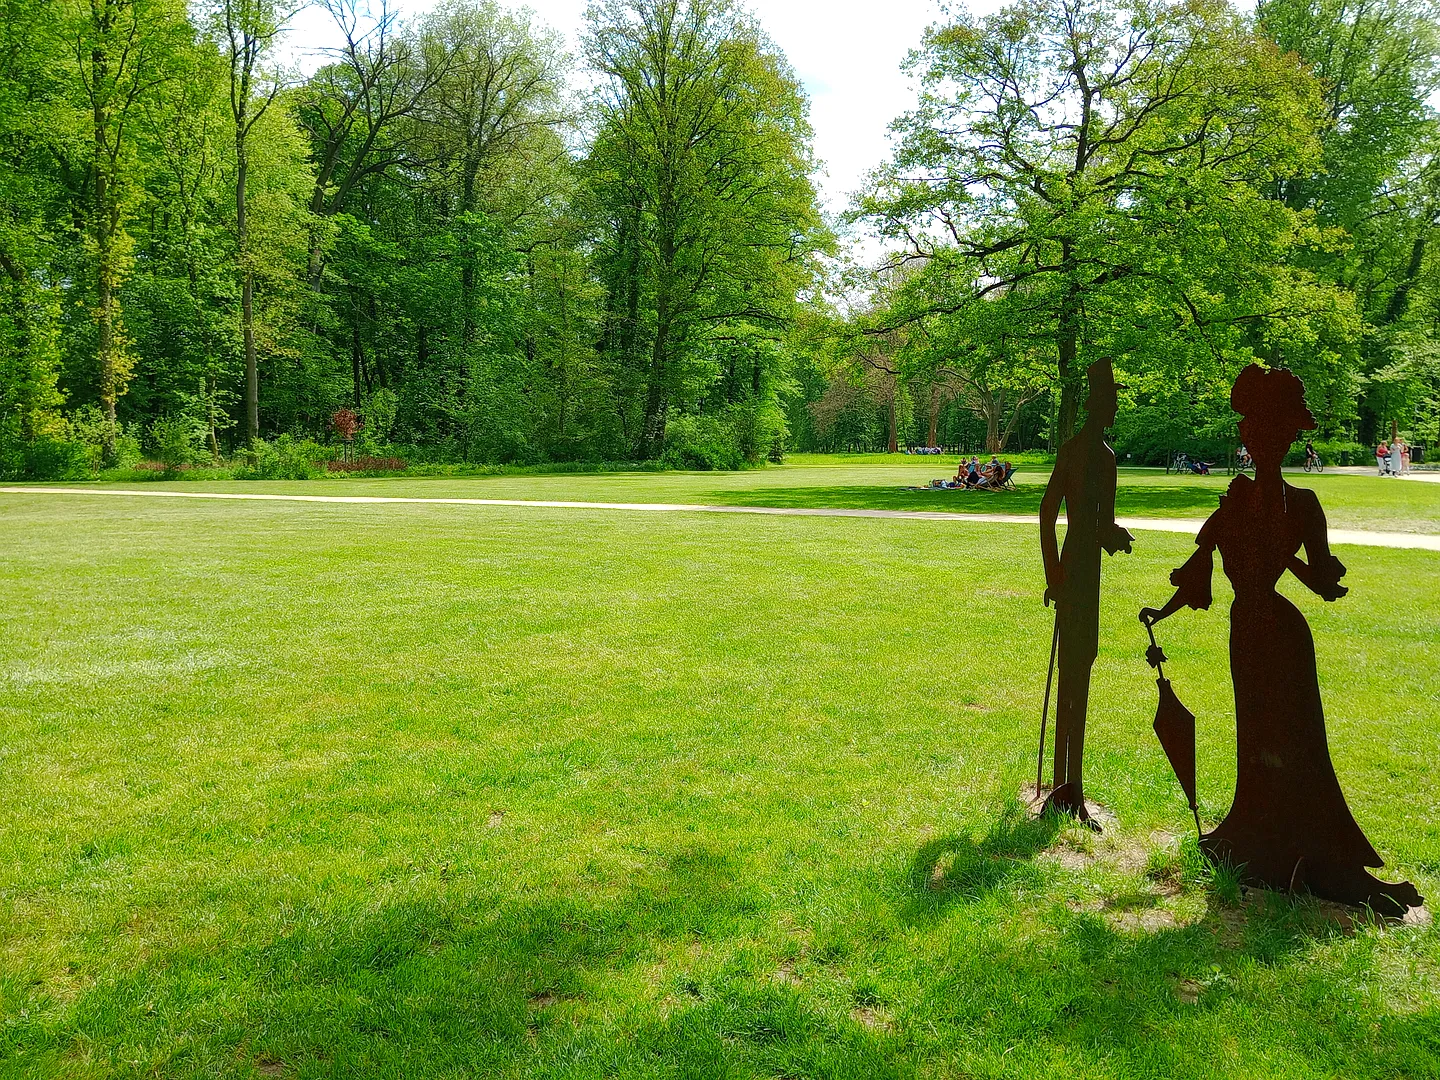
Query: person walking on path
point(1382, 455)
point(1084, 480)
point(1395, 460)
point(1404, 458)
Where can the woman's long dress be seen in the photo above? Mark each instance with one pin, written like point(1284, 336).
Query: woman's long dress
point(1289, 825)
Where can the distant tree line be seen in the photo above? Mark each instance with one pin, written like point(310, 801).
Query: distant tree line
point(432, 230)
point(487, 250)
point(1182, 187)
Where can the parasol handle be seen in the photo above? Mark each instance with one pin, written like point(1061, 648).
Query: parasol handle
point(1155, 656)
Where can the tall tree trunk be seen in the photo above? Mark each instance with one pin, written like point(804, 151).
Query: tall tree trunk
point(467, 254)
point(247, 286)
point(105, 217)
point(892, 444)
point(207, 380)
point(314, 268)
point(563, 369)
point(211, 437)
point(105, 343)
point(992, 404)
point(652, 430)
point(932, 440)
point(1067, 343)
point(1400, 298)
point(657, 394)
point(357, 361)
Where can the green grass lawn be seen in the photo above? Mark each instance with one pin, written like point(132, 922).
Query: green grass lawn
point(433, 791)
point(879, 482)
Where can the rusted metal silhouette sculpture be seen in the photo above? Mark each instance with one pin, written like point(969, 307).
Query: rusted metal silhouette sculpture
point(1289, 826)
point(1084, 480)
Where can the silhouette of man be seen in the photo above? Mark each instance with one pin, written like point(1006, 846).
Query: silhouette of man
point(1084, 479)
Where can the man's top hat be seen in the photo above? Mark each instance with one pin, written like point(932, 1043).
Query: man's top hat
point(1102, 376)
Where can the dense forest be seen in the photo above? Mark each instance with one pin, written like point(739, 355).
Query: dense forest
point(452, 241)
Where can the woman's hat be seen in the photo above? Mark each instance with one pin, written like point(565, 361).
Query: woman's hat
point(1275, 396)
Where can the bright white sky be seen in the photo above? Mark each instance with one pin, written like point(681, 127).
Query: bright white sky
point(847, 53)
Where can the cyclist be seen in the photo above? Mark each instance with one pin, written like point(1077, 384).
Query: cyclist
point(1312, 459)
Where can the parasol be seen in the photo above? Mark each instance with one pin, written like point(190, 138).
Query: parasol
point(1174, 726)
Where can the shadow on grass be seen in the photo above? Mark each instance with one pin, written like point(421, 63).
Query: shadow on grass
point(1149, 988)
point(959, 867)
point(655, 978)
point(1230, 993)
point(1133, 500)
point(446, 982)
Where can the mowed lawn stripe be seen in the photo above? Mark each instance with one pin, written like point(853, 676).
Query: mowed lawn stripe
point(1190, 526)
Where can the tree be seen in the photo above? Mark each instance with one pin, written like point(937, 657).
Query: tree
point(700, 172)
point(249, 29)
point(1378, 179)
point(32, 83)
point(1097, 161)
point(355, 109)
point(495, 106)
point(123, 50)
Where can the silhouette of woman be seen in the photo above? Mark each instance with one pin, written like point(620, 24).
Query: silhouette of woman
point(1289, 825)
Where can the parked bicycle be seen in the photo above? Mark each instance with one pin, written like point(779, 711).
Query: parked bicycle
point(1184, 463)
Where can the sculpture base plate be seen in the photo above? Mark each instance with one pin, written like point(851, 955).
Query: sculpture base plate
point(1100, 817)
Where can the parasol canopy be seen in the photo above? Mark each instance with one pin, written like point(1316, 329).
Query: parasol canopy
point(1174, 727)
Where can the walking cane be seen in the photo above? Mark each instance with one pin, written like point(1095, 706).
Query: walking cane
point(1045, 709)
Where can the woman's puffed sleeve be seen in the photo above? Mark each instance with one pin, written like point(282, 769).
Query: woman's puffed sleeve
point(1192, 581)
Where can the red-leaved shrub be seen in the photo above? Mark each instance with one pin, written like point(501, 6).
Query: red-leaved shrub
point(367, 464)
point(345, 423)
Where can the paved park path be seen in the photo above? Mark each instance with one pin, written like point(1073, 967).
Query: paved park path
point(1188, 526)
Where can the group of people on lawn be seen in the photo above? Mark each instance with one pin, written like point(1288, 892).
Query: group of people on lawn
point(989, 476)
point(1392, 459)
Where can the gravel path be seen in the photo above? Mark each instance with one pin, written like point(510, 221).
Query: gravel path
point(1190, 526)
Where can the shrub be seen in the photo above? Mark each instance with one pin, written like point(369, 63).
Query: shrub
point(365, 463)
point(1332, 452)
point(89, 427)
point(176, 440)
point(378, 419)
point(701, 442)
point(286, 458)
point(44, 457)
point(1151, 434)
